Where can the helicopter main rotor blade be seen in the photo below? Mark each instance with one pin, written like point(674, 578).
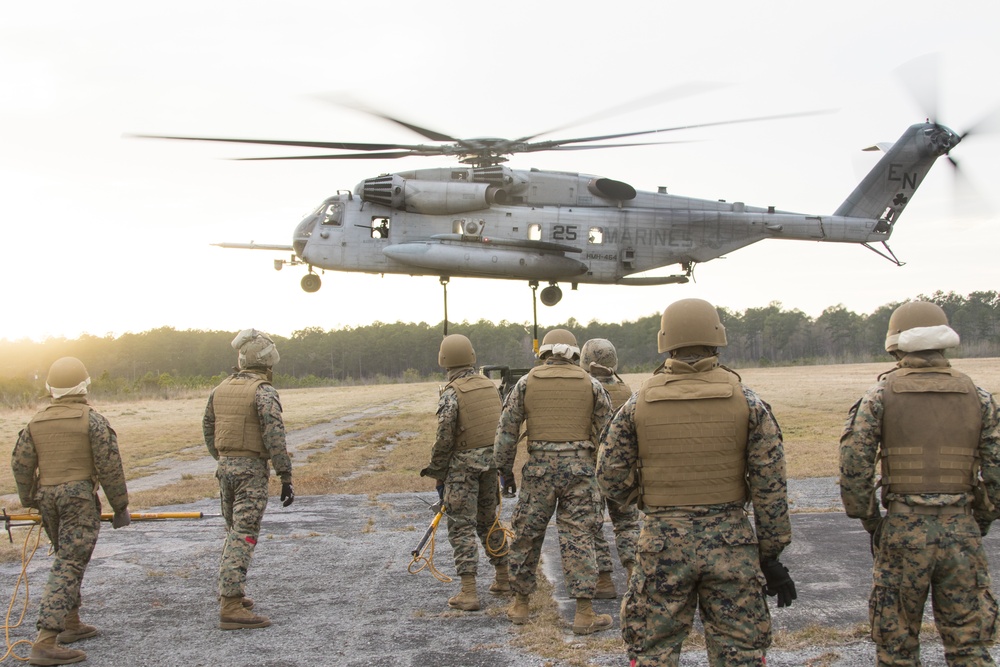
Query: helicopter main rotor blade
point(670, 94)
point(344, 156)
point(593, 146)
point(334, 145)
point(550, 145)
point(345, 101)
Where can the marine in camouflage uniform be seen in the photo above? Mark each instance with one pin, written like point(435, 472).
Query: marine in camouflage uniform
point(599, 357)
point(60, 458)
point(930, 428)
point(243, 430)
point(462, 464)
point(696, 546)
point(558, 476)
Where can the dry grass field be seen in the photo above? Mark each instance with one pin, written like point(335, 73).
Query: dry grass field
point(382, 449)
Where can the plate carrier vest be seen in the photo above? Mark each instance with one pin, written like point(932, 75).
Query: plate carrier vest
point(692, 430)
point(931, 425)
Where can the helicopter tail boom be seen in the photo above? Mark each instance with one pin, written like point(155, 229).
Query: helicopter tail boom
point(886, 190)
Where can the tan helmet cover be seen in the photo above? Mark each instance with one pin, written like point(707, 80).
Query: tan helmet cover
point(919, 325)
point(67, 376)
point(456, 351)
point(599, 351)
point(690, 322)
point(256, 349)
point(561, 343)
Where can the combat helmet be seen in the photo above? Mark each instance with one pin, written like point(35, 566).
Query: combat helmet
point(67, 376)
point(919, 325)
point(599, 351)
point(690, 322)
point(561, 343)
point(456, 351)
point(256, 349)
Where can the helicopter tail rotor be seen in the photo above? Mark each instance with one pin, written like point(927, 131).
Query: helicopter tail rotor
point(921, 77)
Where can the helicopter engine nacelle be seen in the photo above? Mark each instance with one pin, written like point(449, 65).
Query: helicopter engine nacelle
point(431, 197)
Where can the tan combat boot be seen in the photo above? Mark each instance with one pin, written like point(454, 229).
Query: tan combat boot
point(75, 629)
point(466, 600)
point(45, 651)
point(605, 587)
point(246, 602)
point(234, 616)
point(501, 584)
point(518, 612)
point(586, 621)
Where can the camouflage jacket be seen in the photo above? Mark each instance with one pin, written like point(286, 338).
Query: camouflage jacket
point(859, 447)
point(107, 463)
point(512, 417)
point(272, 426)
point(443, 454)
point(619, 455)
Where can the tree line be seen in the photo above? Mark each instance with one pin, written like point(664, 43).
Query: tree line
point(164, 359)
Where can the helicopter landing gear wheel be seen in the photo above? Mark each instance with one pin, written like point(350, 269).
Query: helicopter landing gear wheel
point(311, 282)
point(551, 295)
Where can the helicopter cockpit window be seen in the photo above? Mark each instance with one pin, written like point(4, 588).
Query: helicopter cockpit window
point(380, 228)
point(332, 214)
point(534, 232)
point(596, 236)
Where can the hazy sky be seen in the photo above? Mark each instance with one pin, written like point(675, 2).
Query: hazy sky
point(105, 234)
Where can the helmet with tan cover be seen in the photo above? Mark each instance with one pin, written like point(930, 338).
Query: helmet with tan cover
point(690, 322)
point(256, 349)
point(456, 351)
point(919, 325)
point(599, 351)
point(561, 343)
point(67, 376)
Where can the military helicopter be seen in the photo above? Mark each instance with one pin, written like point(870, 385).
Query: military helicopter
point(484, 219)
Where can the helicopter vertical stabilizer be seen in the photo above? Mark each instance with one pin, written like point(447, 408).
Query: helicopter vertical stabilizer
point(888, 187)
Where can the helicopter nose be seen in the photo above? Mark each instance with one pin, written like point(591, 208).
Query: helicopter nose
point(302, 234)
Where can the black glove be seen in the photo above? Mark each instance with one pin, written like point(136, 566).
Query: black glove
point(287, 494)
point(507, 484)
point(440, 489)
point(984, 527)
point(874, 527)
point(778, 581)
point(121, 519)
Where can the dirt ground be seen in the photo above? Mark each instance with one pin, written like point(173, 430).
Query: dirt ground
point(331, 573)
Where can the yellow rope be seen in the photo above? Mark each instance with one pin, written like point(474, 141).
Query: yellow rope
point(506, 534)
point(22, 577)
point(420, 561)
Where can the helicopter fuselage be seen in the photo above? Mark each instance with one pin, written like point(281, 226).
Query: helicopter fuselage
point(544, 226)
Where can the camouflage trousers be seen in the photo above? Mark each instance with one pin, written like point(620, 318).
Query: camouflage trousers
point(71, 516)
point(243, 492)
point(707, 562)
point(625, 519)
point(470, 500)
point(943, 555)
point(564, 485)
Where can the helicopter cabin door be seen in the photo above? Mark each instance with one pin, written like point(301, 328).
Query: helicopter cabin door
point(381, 230)
point(330, 244)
